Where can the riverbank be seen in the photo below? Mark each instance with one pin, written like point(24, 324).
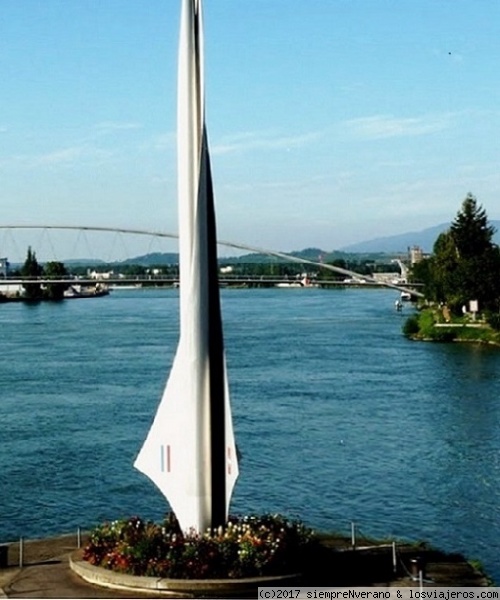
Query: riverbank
point(46, 572)
point(438, 325)
point(70, 295)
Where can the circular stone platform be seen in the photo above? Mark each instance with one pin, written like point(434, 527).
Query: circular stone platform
point(181, 588)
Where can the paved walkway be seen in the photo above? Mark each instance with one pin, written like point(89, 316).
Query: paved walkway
point(47, 574)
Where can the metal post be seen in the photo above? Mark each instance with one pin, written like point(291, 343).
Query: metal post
point(421, 580)
point(394, 558)
point(353, 534)
point(78, 537)
point(21, 552)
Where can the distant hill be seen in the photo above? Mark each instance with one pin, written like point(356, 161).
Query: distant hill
point(316, 255)
point(313, 254)
point(153, 259)
point(83, 261)
point(400, 243)
point(160, 258)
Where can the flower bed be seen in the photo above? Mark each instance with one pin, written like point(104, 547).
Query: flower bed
point(249, 546)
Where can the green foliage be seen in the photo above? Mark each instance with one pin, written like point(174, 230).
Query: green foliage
point(472, 334)
point(478, 566)
point(431, 325)
point(31, 270)
point(55, 270)
point(422, 326)
point(411, 327)
point(246, 547)
point(465, 264)
point(493, 321)
point(443, 335)
point(444, 267)
point(426, 320)
point(470, 230)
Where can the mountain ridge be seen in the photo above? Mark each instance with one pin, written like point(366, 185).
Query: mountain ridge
point(395, 244)
point(400, 243)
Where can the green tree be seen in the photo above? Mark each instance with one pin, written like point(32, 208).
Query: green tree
point(471, 231)
point(31, 270)
point(444, 266)
point(465, 264)
point(55, 270)
point(477, 273)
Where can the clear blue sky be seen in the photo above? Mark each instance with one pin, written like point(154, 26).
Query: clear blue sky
point(330, 121)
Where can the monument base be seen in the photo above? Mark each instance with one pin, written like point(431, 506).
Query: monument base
point(179, 588)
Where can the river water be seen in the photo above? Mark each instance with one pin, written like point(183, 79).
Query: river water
point(337, 416)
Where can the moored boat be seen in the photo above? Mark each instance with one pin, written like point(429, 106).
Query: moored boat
point(79, 291)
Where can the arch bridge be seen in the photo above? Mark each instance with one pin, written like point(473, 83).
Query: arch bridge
point(82, 231)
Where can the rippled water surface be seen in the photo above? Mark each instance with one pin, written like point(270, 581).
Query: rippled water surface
point(337, 416)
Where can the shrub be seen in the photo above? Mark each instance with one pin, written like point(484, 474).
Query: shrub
point(426, 320)
point(443, 335)
point(411, 326)
point(493, 321)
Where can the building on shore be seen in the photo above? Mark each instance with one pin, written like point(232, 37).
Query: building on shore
point(4, 267)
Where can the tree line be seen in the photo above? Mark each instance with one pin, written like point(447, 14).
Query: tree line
point(31, 269)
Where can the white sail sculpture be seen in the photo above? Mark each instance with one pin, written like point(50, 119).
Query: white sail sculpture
point(190, 452)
